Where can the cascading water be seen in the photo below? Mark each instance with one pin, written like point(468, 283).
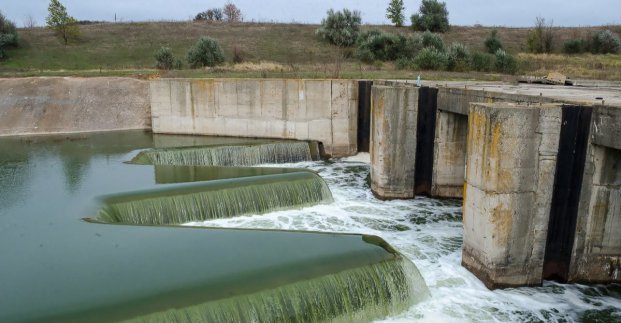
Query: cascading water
point(234, 155)
point(182, 203)
point(355, 295)
point(156, 273)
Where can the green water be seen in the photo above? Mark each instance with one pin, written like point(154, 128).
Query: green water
point(56, 267)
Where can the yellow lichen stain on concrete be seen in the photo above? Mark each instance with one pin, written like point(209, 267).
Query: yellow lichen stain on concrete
point(463, 202)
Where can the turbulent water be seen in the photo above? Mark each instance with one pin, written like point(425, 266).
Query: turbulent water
point(429, 232)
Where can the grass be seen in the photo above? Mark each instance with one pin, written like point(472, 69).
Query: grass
point(270, 50)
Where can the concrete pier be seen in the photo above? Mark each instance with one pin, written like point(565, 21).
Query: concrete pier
point(393, 141)
point(507, 192)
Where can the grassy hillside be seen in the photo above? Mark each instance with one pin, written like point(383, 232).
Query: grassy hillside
point(292, 49)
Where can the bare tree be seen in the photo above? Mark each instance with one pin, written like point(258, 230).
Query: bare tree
point(232, 13)
point(30, 22)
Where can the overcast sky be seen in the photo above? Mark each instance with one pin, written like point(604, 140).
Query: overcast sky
point(519, 13)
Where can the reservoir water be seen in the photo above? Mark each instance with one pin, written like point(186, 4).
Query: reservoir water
point(48, 184)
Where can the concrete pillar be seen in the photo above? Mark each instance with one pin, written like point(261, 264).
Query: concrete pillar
point(449, 158)
point(508, 187)
point(596, 255)
point(393, 141)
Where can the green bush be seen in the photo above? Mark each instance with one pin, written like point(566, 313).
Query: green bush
point(605, 42)
point(458, 57)
point(541, 38)
point(430, 39)
point(164, 58)
point(505, 62)
point(340, 28)
point(432, 16)
point(405, 64)
point(206, 52)
point(482, 62)
point(375, 45)
point(575, 46)
point(8, 35)
point(492, 43)
point(430, 58)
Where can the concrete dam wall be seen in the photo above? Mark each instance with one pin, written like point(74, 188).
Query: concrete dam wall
point(540, 177)
point(321, 110)
point(63, 105)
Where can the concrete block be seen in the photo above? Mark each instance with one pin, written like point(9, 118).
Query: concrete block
point(510, 176)
point(393, 141)
point(318, 99)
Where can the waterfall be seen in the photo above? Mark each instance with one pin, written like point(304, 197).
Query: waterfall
point(181, 203)
point(230, 155)
point(360, 294)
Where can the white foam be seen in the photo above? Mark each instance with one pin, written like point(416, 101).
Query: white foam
point(429, 232)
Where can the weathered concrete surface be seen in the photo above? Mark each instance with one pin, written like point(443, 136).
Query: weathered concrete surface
point(44, 105)
point(509, 179)
point(451, 130)
point(449, 158)
point(393, 141)
point(321, 110)
point(596, 255)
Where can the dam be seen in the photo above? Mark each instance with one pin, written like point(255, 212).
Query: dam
point(387, 204)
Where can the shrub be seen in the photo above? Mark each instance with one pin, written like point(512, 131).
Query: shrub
point(458, 57)
point(206, 52)
point(432, 16)
point(239, 56)
point(430, 39)
point(375, 45)
point(605, 42)
point(164, 58)
point(575, 46)
point(8, 35)
point(405, 64)
point(541, 38)
point(340, 28)
point(430, 58)
point(482, 62)
point(492, 43)
point(214, 14)
point(505, 62)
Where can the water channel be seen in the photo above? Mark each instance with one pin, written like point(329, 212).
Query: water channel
point(57, 266)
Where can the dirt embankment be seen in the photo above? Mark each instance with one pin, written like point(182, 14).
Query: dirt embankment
point(63, 105)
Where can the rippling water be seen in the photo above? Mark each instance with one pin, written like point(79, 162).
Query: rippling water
point(429, 232)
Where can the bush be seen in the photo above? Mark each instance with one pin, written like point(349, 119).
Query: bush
point(430, 39)
point(432, 16)
point(206, 52)
point(430, 58)
point(239, 56)
point(8, 35)
point(394, 12)
point(575, 46)
point(164, 58)
point(375, 45)
point(405, 64)
point(340, 28)
point(458, 57)
point(505, 62)
point(210, 15)
point(605, 42)
point(541, 38)
point(482, 62)
point(492, 43)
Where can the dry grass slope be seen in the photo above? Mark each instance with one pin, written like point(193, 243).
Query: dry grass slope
point(271, 50)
